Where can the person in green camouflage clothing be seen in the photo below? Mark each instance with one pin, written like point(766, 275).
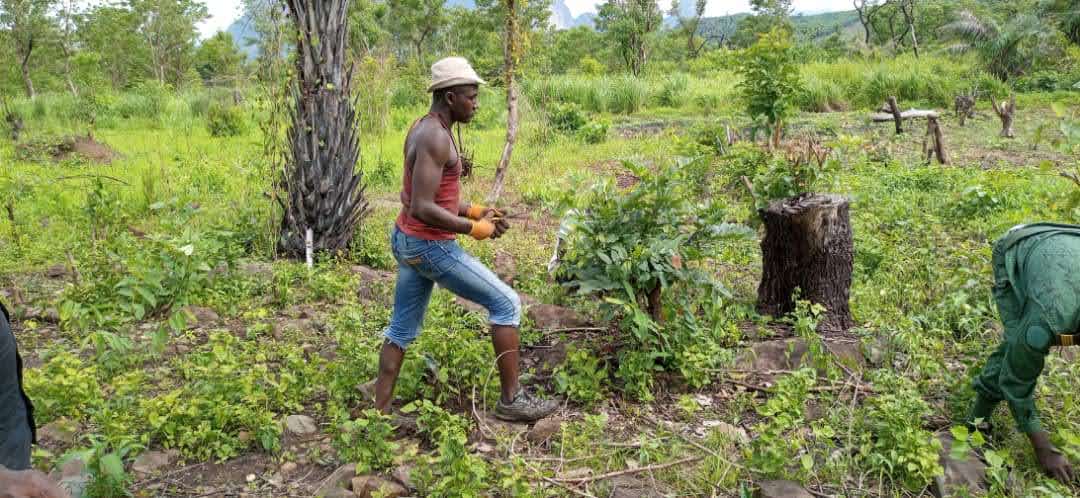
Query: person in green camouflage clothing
point(1037, 289)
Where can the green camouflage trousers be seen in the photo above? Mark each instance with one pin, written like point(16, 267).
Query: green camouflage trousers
point(1037, 290)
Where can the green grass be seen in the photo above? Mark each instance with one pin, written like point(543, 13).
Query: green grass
point(920, 291)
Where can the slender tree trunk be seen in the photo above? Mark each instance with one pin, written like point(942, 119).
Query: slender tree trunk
point(934, 144)
point(24, 67)
point(510, 50)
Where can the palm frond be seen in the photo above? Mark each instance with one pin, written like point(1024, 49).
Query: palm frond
point(970, 28)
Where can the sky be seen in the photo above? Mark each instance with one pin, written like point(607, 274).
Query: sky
point(224, 12)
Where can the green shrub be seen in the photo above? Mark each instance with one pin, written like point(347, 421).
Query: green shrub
point(770, 83)
point(367, 440)
point(596, 131)
point(628, 94)
point(566, 117)
point(63, 387)
point(893, 440)
point(225, 120)
point(673, 90)
point(581, 377)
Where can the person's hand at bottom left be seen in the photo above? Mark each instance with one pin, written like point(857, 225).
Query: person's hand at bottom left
point(28, 484)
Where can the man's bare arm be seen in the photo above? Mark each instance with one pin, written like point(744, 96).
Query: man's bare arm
point(432, 153)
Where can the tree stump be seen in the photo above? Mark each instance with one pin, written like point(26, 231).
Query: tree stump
point(808, 245)
point(1005, 111)
point(934, 144)
point(965, 108)
point(895, 110)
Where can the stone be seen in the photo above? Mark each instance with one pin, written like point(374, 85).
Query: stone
point(301, 425)
point(551, 317)
point(962, 477)
point(250, 478)
point(337, 480)
point(244, 437)
point(201, 316)
point(504, 427)
point(403, 475)
point(336, 493)
point(51, 315)
point(730, 432)
point(781, 489)
point(60, 431)
point(543, 429)
point(629, 486)
point(788, 354)
point(288, 468)
point(56, 271)
point(365, 487)
point(74, 478)
point(150, 462)
point(257, 270)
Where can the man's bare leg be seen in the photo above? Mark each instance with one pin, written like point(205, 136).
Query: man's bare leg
point(389, 366)
point(507, 343)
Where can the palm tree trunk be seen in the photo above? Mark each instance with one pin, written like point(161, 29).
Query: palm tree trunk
point(323, 189)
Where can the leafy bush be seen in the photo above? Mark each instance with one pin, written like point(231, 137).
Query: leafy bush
point(63, 387)
point(673, 90)
point(893, 440)
point(596, 131)
point(566, 117)
point(590, 66)
point(770, 83)
point(225, 120)
point(581, 377)
point(368, 441)
point(779, 444)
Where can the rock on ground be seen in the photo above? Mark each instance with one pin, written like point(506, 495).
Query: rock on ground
point(301, 425)
point(403, 475)
point(788, 354)
point(152, 461)
point(60, 431)
point(964, 474)
point(550, 317)
point(781, 489)
point(544, 429)
point(366, 486)
point(336, 482)
point(629, 486)
point(505, 267)
point(56, 271)
point(201, 316)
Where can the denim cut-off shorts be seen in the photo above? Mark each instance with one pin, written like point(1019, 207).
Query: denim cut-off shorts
point(424, 263)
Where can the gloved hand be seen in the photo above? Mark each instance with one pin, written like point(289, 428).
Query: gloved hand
point(482, 229)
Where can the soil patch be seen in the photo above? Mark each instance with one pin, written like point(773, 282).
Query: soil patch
point(84, 148)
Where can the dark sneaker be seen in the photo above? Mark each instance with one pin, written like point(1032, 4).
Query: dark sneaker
point(525, 408)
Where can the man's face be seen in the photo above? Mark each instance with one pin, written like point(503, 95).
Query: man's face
point(463, 102)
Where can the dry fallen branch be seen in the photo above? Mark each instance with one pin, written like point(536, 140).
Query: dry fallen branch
point(649, 468)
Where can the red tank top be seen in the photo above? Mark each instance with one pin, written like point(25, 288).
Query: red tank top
point(448, 195)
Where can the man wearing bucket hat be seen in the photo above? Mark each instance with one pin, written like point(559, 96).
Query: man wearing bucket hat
point(424, 244)
point(1037, 289)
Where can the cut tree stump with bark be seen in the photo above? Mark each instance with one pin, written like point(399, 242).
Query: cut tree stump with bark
point(808, 245)
point(965, 108)
point(894, 109)
point(934, 144)
point(1005, 111)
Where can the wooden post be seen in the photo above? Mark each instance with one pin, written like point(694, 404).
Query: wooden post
point(510, 53)
point(808, 245)
point(895, 110)
point(934, 145)
point(1005, 113)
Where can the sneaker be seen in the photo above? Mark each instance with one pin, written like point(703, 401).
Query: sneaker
point(525, 408)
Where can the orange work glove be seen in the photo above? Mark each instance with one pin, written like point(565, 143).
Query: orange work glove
point(482, 229)
point(475, 211)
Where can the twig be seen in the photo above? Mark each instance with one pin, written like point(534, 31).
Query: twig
point(85, 176)
point(649, 468)
point(574, 329)
point(750, 187)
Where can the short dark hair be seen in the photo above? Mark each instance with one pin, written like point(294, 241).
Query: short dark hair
point(440, 94)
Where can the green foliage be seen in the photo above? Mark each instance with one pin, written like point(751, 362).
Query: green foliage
point(892, 439)
point(228, 387)
point(628, 243)
point(453, 471)
point(975, 201)
point(225, 120)
point(367, 440)
point(595, 131)
point(63, 387)
point(581, 377)
point(779, 444)
point(566, 117)
point(770, 83)
point(673, 90)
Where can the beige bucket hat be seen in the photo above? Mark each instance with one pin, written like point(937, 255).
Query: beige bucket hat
point(453, 71)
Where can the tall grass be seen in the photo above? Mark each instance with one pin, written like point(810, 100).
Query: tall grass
point(930, 80)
